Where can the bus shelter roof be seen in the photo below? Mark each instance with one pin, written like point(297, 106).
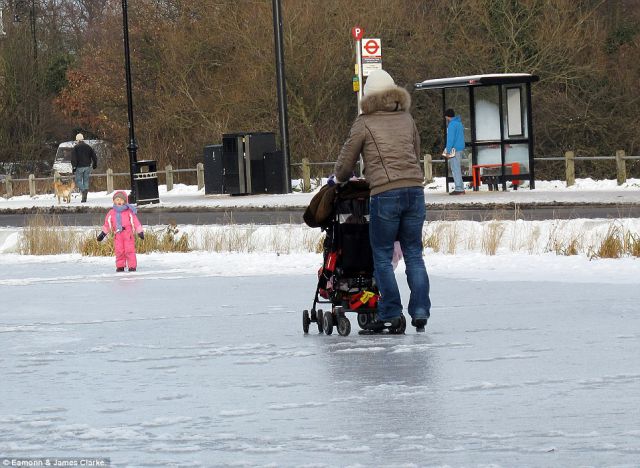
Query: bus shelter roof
point(476, 80)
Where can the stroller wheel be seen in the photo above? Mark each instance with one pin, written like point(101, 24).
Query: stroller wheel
point(327, 323)
point(305, 321)
point(363, 319)
point(403, 326)
point(344, 326)
point(319, 319)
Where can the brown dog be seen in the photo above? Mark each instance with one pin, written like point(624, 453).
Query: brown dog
point(63, 190)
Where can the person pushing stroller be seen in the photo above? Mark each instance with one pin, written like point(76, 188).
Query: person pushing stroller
point(386, 136)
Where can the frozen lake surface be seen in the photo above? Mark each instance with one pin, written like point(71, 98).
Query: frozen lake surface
point(171, 365)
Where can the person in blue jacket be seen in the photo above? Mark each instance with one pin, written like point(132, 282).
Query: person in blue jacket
point(455, 141)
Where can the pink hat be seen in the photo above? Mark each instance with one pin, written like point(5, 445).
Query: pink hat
point(121, 194)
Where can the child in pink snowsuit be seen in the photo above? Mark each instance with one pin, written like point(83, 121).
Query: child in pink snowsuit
point(123, 221)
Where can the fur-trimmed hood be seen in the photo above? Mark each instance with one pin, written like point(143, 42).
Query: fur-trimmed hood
point(391, 100)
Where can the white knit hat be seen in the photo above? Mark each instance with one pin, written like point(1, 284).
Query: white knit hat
point(378, 81)
point(79, 137)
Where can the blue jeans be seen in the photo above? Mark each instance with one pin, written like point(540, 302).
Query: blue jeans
point(82, 177)
point(399, 215)
point(456, 171)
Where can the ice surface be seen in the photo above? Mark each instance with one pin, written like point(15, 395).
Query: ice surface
point(527, 361)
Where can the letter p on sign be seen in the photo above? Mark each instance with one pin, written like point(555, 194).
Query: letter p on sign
point(357, 32)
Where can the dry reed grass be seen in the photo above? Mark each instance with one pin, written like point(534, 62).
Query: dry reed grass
point(44, 236)
point(491, 236)
point(534, 237)
point(562, 244)
point(228, 238)
point(632, 243)
point(451, 237)
point(431, 239)
point(612, 245)
point(313, 242)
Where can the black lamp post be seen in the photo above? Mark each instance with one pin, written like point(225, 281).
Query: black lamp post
point(133, 147)
point(282, 89)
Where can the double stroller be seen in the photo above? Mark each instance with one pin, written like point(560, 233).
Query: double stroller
point(345, 279)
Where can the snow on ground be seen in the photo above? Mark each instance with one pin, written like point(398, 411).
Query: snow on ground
point(584, 191)
point(199, 359)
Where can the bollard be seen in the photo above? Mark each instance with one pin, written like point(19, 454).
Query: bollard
point(306, 175)
point(169, 177)
point(200, 175)
point(56, 177)
point(621, 167)
point(570, 167)
point(109, 180)
point(32, 185)
point(428, 169)
point(9, 186)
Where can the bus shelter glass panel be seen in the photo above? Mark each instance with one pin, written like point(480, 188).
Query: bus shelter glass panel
point(487, 113)
point(514, 101)
point(465, 163)
point(458, 100)
point(518, 153)
point(489, 154)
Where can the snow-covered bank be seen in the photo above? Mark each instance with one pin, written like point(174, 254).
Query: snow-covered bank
point(576, 236)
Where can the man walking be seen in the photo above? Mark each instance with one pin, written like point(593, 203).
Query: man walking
point(83, 159)
point(455, 149)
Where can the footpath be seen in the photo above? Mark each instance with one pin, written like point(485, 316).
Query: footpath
point(189, 198)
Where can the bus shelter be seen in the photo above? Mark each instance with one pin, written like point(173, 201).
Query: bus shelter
point(496, 113)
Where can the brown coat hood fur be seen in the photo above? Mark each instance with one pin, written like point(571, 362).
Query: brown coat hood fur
point(391, 100)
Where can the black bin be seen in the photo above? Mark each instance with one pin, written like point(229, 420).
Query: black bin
point(145, 178)
point(275, 175)
point(243, 161)
point(213, 170)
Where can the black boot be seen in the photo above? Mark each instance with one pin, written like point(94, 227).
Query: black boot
point(84, 196)
point(419, 323)
point(393, 326)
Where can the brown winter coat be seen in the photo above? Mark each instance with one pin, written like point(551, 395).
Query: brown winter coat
point(388, 139)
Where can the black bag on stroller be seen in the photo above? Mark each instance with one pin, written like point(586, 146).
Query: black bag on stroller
point(345, 280)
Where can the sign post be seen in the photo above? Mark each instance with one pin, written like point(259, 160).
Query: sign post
point(357, 32)
point(371, 56)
